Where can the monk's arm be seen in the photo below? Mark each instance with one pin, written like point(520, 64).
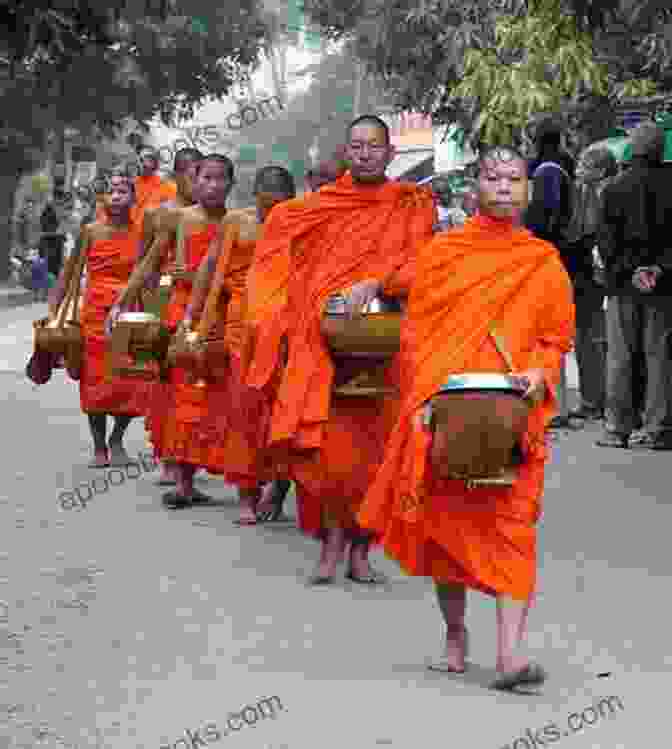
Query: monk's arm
point(556, 327)
point(201, 286)
point(399, 282)
point(57, 294)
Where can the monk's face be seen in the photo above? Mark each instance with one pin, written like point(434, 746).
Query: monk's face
point(149, 163)
point(368, 153)
point(502, 187)
point(185, 176)
point(120, 197)
point(267, 200)
point(213, 184)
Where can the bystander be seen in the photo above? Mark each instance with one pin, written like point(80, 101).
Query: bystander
point(597, 166)
point(634, 243)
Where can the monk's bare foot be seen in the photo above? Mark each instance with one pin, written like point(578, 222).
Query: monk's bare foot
point(247, 516)
point(360, 570)
point(453, 658)
point(119, 458)
point(266, 504)
point(168, 476)
point(100, 459)
point(324, 573)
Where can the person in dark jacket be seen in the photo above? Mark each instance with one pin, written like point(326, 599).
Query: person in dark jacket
point(596, 168)
point(635, 243)
point(552, 174)
point(51, 241)
point(549, 212)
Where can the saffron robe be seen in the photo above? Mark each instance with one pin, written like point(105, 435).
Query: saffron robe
point(150, 192)
point(177, 436)
point(109, 264)
point(311, 249)
point(233, 411)
point(484, 273)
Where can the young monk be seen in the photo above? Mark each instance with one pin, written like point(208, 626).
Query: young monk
point(355, 237)
point(151, 190)
point(238, 441)
point(271, 507)
point(186, 438)
point(111, 250)
point(156, 257)
point(491, 270)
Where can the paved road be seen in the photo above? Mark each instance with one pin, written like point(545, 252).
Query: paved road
point(126, 625)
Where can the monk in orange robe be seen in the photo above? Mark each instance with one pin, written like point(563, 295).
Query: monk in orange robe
point(271, 507)
point(234, 410)
point(151, 190)
point(156, 259)
point(490, 271)
point(355, 237)
point(185, 437)
point(111, 250)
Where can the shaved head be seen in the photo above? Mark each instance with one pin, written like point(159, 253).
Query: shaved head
point(502, 183)
point(275, 179)
point(499, 154)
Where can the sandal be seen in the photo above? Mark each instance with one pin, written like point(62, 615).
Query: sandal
point(531, 675)
point(317, 579)
point(175, 501)
point(372, 578)
point(244, 522)
point(199, 498)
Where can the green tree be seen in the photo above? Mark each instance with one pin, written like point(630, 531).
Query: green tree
point(492, 64)
point(91, 65)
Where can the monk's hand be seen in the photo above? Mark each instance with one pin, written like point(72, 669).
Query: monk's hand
point(358, 297)
point(112, 319)
point(644, 278)
point(536, 384)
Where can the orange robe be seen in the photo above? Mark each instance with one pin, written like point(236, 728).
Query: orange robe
point(109, 264)
point(150, 192)
point(178, 436)
point(311, 249)
point(233, 411)
point(469, 278)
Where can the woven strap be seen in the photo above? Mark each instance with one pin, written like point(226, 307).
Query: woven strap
point(502, 348)
point(226, 239)
point(72, 294)
point(180, 258)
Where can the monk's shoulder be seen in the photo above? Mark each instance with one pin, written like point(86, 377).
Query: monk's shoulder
point(164, 217)
point(241, 216)
point(192, 214)
point(246, 218)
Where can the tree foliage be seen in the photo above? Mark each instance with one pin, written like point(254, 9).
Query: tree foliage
point(493, 64)
point(86, 64)
point(91, 64)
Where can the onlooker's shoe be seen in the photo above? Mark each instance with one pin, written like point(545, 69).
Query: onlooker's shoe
point(646, 441)
point(613, 439)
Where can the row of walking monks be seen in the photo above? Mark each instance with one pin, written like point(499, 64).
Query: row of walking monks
point(359, 464)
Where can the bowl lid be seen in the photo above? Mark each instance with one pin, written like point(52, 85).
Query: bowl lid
point(137, 317)
point(483, 381)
